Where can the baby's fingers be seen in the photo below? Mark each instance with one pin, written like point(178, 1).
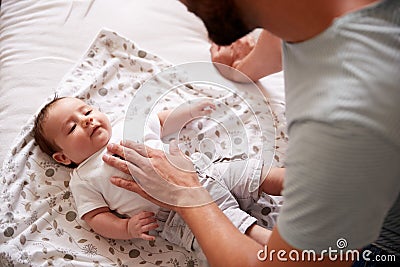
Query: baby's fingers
point(145, 231)
point(206, 105)
point(149, 227)
point(147, 237)
point(210, 105)
point(145, 214)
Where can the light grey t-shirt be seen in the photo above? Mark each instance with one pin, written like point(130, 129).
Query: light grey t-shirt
point(343, 111)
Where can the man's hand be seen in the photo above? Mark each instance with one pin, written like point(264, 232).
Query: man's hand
point(245, 56)
point(232, 56)
point(168, 180)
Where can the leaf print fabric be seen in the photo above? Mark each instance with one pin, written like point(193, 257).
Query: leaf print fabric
point(38, 220)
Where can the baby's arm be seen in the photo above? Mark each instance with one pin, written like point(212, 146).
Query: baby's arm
point(172, 120)
point(107, 224)
point(273, 183)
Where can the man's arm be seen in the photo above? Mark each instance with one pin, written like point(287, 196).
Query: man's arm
point(236, 249)
point(226, 246)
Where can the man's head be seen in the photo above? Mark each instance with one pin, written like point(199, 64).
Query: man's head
point(70, 131)
point(221, 18)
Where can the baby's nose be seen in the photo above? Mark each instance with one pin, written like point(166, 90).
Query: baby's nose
point(86, 121)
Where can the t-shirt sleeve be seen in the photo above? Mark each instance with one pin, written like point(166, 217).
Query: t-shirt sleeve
point(340, 182)
point(85, 196)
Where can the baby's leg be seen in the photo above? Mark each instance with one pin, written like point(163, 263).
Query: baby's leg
point(246, 223)
point(234, 186)
point(227, 202)
point(241, 177)
point(247, 178)
point(272, 181)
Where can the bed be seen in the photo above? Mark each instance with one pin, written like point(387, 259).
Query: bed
point(86, 49)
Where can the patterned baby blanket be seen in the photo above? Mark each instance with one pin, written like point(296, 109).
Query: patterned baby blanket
point(38, 220)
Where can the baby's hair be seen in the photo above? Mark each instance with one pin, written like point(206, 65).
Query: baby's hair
point(47, 146)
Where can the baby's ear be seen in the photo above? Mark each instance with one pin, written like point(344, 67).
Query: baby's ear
point(61, 158)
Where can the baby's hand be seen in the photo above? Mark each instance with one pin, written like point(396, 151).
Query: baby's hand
point(140, 224)
point(201, 108)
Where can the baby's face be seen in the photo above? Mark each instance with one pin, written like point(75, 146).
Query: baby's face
point(78, 129)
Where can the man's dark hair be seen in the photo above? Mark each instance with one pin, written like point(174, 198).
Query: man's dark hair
point(222, 19)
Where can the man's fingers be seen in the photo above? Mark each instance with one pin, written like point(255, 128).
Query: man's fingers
point(243, 46)
point(139, 148)
point(132, 152)
point(214, 48)
point(221, 54)
point(127, 184)
point(122, 165)
point(116, 163)
point(119, 149)
point(115, 149)
point(139, 153)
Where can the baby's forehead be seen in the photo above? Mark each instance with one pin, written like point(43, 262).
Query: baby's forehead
point(69, 104)
point(73, 100)
point(65, 106)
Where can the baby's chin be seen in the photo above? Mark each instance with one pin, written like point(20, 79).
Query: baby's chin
point(96, 148)
point(104, 141)
point(102, 138)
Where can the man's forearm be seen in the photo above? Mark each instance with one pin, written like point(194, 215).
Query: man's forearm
point(223, 245)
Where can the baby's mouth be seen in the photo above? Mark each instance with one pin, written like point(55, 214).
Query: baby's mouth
point(95, 128)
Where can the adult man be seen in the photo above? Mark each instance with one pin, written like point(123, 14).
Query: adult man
point(341, 62)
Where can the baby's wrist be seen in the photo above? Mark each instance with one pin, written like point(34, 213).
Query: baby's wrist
point(128, 230)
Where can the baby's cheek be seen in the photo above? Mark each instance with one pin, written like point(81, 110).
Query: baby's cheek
point(104, 138)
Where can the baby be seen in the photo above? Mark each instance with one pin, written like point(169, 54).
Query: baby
point(75, 134)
